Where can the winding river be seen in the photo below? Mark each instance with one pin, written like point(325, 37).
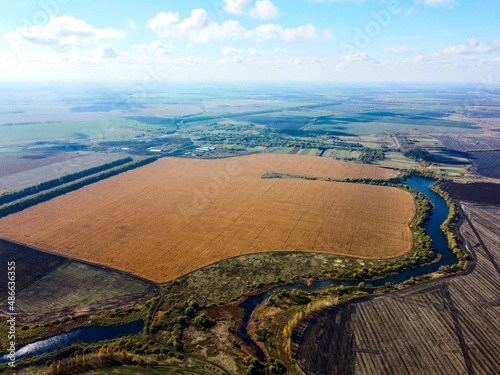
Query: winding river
point(432, 228)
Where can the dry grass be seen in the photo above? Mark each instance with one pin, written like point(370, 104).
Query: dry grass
point(169, 218)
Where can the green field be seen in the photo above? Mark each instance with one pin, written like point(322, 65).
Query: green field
point(75, 284)
point(305, 151)
point(285, 150)
point(372, 144)
point(373, 122)
point(446, 169)
point(49, 132)
point(287, 104)
point(313, 151)
point(368, 128)
point(397, 160)
point(340, 154)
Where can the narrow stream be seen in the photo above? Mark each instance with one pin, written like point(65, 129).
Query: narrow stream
point(432, 228)
point(86, 334)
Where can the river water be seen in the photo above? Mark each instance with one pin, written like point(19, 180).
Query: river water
point(86, 334)
point(432, 228)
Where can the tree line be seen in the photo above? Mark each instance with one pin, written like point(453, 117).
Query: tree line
point(11, 197)
point(45, 196)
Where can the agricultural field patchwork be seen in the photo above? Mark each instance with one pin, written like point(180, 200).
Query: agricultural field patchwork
point(483, 152)
point(176, 215)
point(373, 122)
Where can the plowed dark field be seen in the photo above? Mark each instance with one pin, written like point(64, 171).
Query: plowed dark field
point(478, 192)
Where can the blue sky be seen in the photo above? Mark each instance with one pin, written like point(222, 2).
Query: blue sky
point(257, 40)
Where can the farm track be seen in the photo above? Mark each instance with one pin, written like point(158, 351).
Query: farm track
point(446, 326)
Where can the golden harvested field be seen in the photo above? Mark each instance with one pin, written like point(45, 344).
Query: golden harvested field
point(176, 215)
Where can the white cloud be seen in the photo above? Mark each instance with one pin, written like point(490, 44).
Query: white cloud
point(105, 51)
point(59, 34)
point(334, 1)
point(255, 52)
point(131, 24)
point(358, 58)
point(193, 61)
point(236, 6)
point(199, 28)
point(312, 60)
point(473, 46)
point(277, 32)
point(264, 9)
point(231, 51)
point(234, 60)
point(163, 21)
point(399, 49)
point(157, 47)
point(435, 2)
point(434, 59)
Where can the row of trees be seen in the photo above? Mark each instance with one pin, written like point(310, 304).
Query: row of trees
point(310, 309)
point(11, 197)
point(448, 229)
point(45, 196)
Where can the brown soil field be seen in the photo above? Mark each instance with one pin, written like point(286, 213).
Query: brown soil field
point(481, 192)
point(30, 265)
point(176, 215)
point(486, 163)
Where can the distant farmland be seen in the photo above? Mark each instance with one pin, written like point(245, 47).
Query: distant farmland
point(176, 215)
